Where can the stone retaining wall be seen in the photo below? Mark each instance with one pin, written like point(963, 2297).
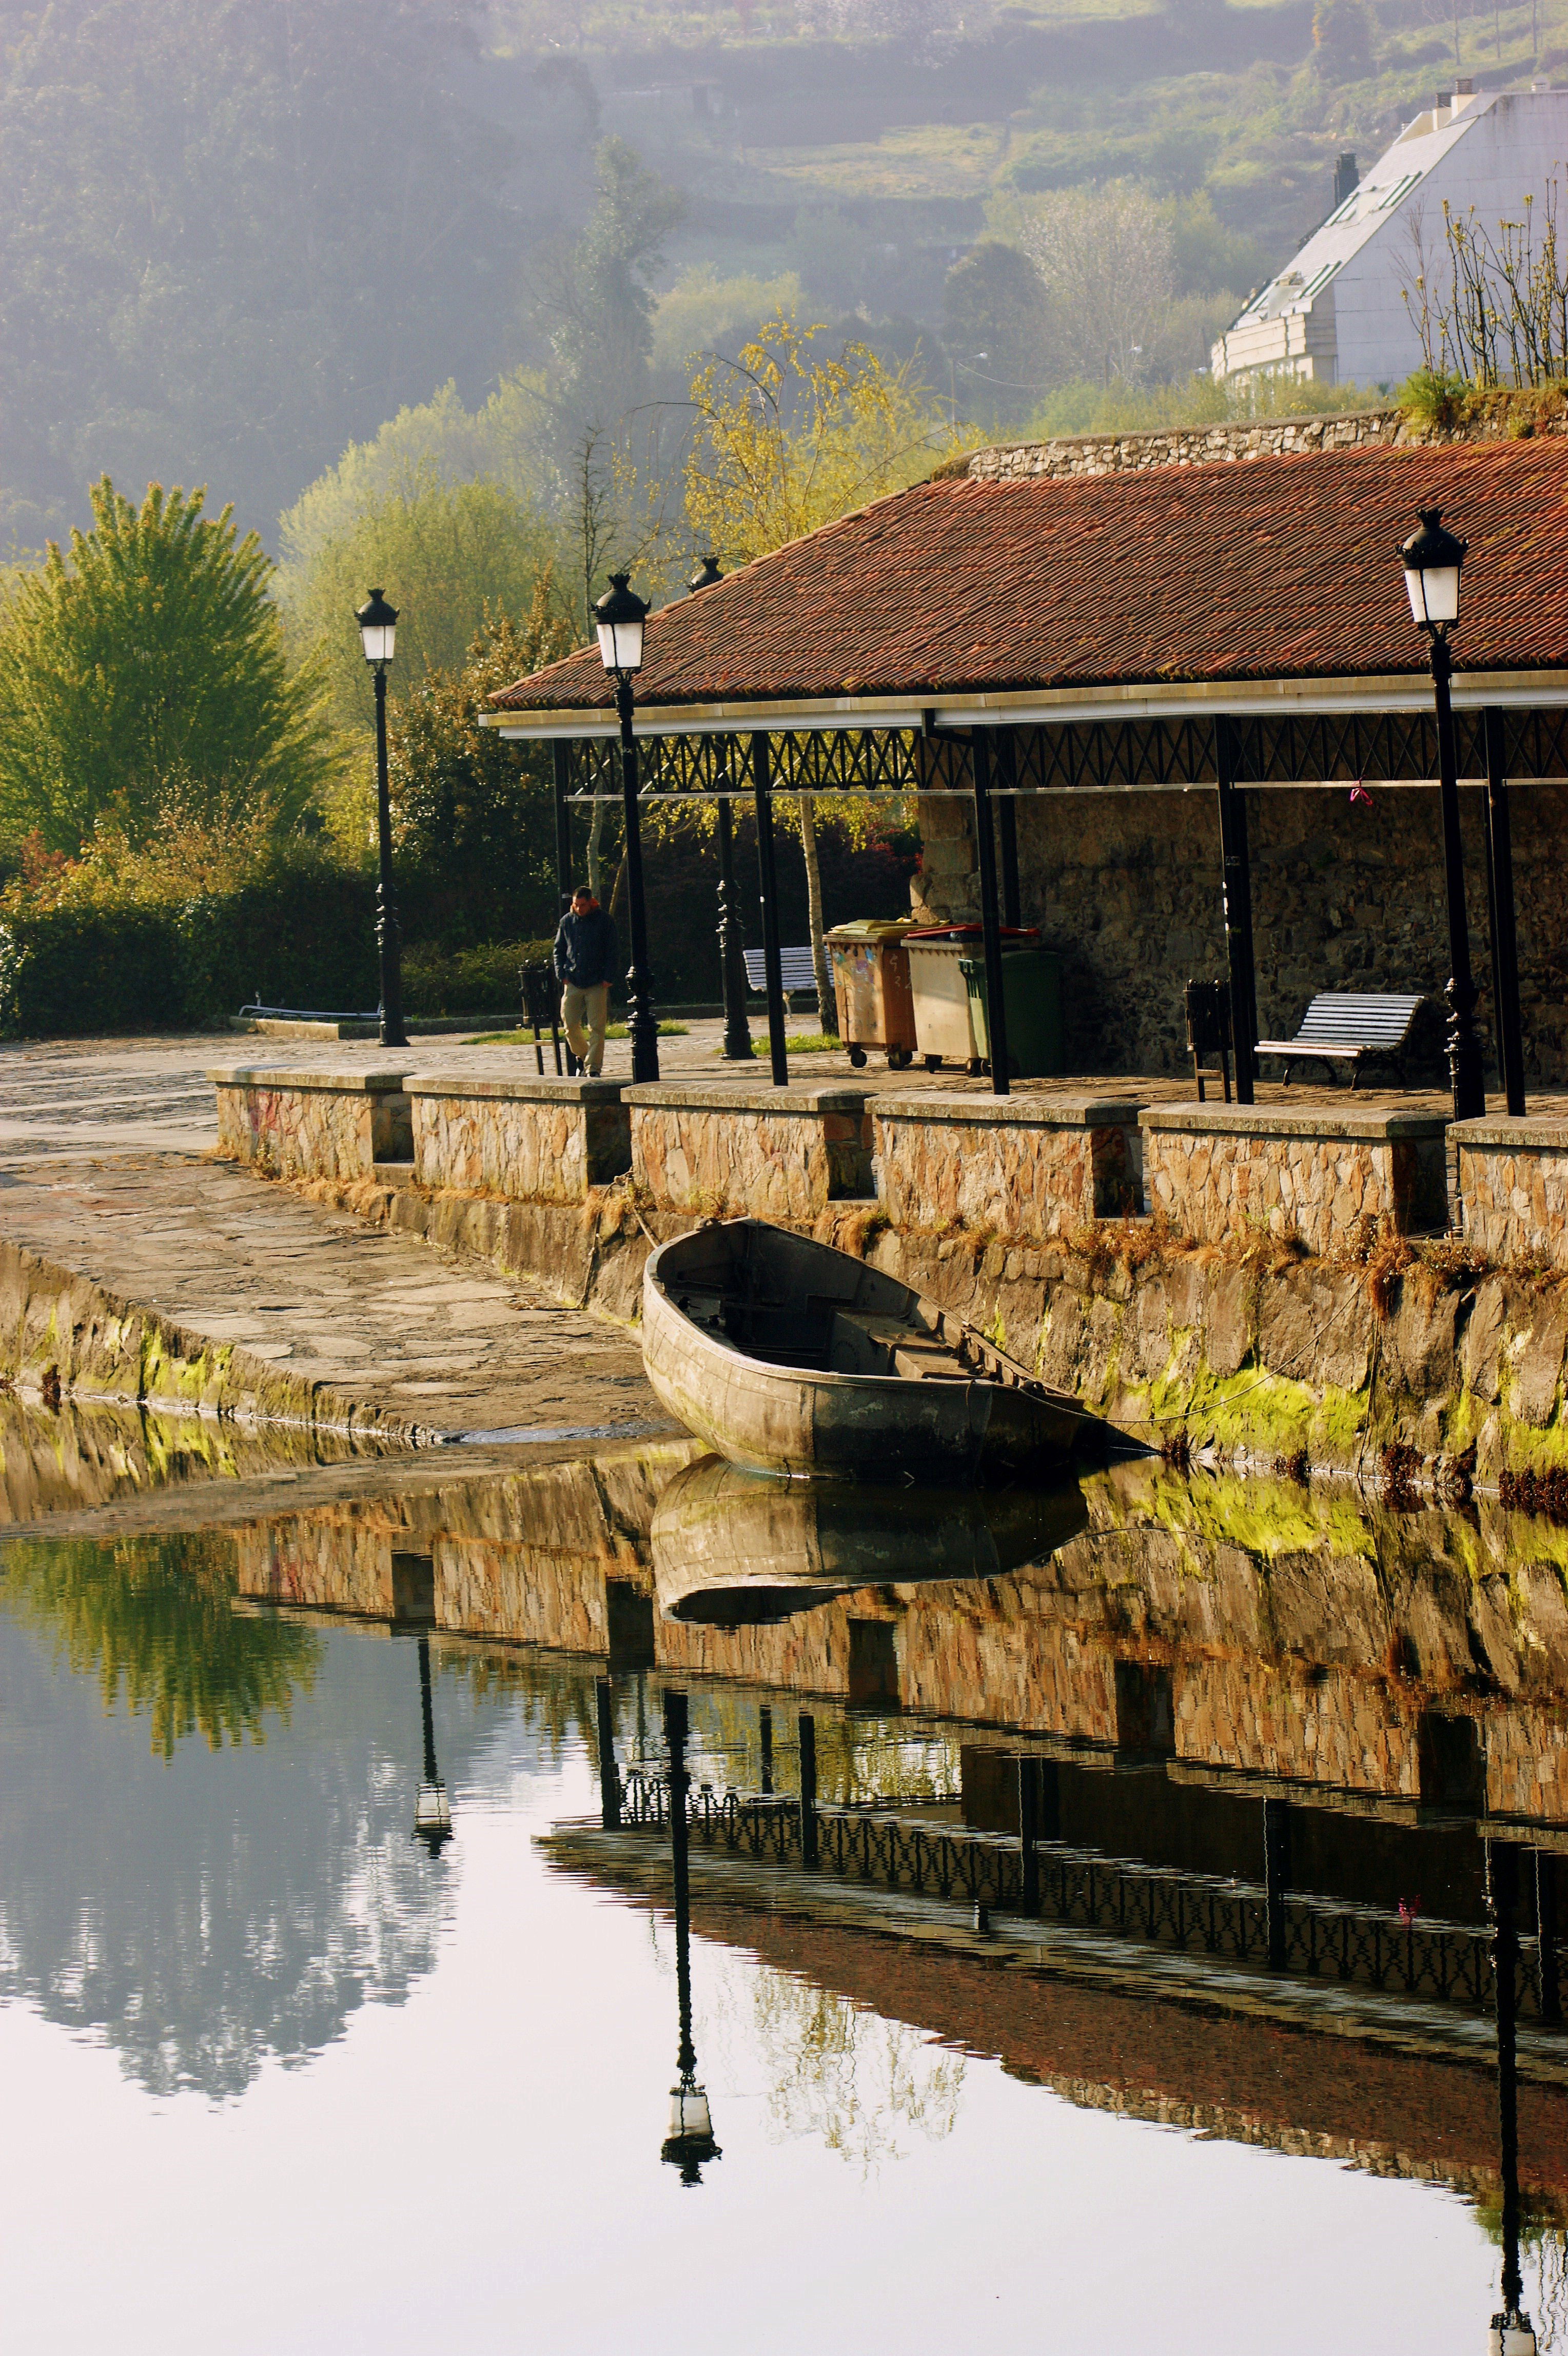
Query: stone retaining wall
point(313, 1124)
point(1018, 1166)
point(531, 1141)
point(1197, 445)
point(1222, 1172)
point(777, 1153)
point(1513, 1189)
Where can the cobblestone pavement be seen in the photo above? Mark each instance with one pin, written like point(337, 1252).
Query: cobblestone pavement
point(380, 1317)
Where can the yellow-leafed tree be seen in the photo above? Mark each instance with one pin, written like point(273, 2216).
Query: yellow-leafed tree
point(786, 439)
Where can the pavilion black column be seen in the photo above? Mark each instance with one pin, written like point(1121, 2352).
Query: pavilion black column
point(561, 756)
point(765, 1731)
point(1501, 904)
point(1276, 1878)
point(641, 1022)
point(732, 961)
point(1551, 1985)
point(807, 1729)
point(609, 1778)
point(1028, 1834)
point(1007, 824)
point(1238, 896)
point(767, 881)
point(989, 919)
point(1502, 1883)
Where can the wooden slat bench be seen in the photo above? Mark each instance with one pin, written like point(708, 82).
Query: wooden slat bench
point(795, 967)
point(1347, 1027)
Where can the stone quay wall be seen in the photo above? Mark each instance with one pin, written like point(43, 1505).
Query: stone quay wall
point(531, 1140)
point(1513, 1189)
point(1233, 1172)
point(1016, 1166)
point(312, 1124)
point(774, 1153)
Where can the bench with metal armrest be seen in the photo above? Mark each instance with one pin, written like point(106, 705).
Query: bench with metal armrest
point(1350, 1027)
point(796, 970)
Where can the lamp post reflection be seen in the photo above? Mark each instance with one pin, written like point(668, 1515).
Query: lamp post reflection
point(432, 1813)
point(1512, 2333)
point(690, 2141)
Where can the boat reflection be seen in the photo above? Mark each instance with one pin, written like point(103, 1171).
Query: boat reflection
point(736, 1550)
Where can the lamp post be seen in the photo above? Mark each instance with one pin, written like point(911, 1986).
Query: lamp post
point(1512, 2333)
point(378, 634)
point(620, 614)
point(732, 961)
point(690, 2142)
point(1432, 558)
point(432, 1810)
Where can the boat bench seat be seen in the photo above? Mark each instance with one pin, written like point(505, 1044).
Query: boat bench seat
point(867, 1343)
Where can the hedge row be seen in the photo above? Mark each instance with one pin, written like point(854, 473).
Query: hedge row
point(307, 939)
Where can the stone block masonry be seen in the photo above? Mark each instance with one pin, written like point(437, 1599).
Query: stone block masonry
point(1019, 1167)
point(312, 1124)
point(528, 1140)
point(1222, 1173)
point(1513, 1189)
point(776, 1153)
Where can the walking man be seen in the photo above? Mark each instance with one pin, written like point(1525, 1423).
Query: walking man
point(585, 958)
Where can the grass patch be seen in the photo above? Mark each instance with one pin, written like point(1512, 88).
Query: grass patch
point(799, 1042)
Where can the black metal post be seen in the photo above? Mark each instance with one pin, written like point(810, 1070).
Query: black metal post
point(731, 962)
point(1007, 824)
point(764, 1729)
point(808, 1734)
point(641, 1019)
point(1500, 901)
point(1464, 1068)
point(1502, 1887)
point(1028, 1834)
point(1237, 888)
point(561, 756)
point(1276, 1878)
point(675, 1732)
point(1048, 1803)
point(387, 949)
point(432, 1773)
point(1550, 1984)
point(767, 884)
point(609, 1775)
point(989, 922)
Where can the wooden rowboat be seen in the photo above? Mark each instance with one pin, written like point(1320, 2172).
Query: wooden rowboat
point(788, 1356)
point(736, 1550)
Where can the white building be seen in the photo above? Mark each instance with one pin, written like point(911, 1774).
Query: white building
point(1337, 313)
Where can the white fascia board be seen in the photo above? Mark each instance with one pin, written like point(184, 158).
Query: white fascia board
point(1178, 699)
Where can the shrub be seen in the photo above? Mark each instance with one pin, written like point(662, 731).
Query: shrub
point(467, 982)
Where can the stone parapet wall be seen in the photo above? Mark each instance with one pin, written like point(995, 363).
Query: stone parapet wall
point(1227, 1173)
point(1513, 1189)
point(528, 1141)
point(1019, 1167)
point(1193, 445)
point(312, 1124)
point(776, 1153)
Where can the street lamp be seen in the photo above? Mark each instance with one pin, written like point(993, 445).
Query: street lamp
point(1511, 2333)
point(377, 634)
point(690, 2144)
point(432, 1810)
point(1432, 558)
point(620, 614)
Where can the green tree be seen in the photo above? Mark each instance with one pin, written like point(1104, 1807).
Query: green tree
point(154, 1618)
point(1342, 39)
point(996, 326)
point(594, 300)
point(146, 665)
point(445, 552)
point(475, 816)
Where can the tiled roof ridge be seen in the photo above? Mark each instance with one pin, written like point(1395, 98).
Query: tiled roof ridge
point(1234, 442)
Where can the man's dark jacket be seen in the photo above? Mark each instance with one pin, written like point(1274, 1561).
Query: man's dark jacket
point(585, 950)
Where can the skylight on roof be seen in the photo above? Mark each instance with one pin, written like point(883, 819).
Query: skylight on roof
point(1400, 188)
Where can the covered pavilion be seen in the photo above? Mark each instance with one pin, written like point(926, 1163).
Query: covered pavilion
point(1233, 627)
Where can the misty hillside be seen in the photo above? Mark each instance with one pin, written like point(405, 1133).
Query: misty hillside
point(235, 238)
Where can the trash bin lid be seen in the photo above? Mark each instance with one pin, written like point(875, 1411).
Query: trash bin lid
point(872, 928)
point(1025, 934)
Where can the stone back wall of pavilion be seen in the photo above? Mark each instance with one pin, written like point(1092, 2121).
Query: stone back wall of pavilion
point(1126, 888)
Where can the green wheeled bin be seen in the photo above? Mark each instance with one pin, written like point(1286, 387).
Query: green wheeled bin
point(1032, 999)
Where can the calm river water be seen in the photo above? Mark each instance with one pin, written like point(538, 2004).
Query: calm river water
point(282, 2074)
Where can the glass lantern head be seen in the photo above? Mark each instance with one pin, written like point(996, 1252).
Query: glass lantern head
point(377, 628)
point(619, 615)
point(1432, 558)
point(432, 1815)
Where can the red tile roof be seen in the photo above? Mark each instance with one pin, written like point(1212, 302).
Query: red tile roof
point(1278, 568)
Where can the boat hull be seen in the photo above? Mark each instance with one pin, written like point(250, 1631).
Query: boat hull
point(846, 1427)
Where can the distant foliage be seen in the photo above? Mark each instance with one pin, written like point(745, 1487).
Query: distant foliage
point(1342, 39)
point(1489, 310)
point(145, 666)
point(1107, 260)
point(997, 327)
